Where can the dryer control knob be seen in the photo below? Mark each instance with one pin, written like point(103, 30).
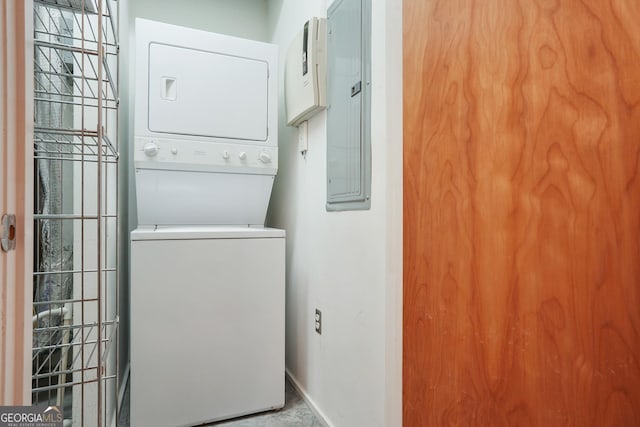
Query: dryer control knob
point(242, 155)
point(225, 155)
point(150, 149)
point(265, 157)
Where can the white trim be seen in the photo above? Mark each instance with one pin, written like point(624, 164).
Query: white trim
point(27, 233)
point(394, 194)
point(322, 417)
point(16, 189)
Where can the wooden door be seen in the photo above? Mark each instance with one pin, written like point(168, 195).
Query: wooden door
point(16, 183)
point(521, 213)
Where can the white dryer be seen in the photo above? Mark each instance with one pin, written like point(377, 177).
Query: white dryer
point(207, 279)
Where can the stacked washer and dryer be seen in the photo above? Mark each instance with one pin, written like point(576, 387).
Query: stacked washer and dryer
point(207, 278)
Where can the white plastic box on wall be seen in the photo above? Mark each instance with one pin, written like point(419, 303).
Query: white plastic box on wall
point(306, 72)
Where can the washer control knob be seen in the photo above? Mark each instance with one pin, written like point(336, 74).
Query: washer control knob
point(150, 149)
point(265, 157)
point(242, 155)
point(174, 151)
point(225, 155)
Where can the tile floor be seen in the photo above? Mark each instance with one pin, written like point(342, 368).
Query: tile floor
point(295, 413)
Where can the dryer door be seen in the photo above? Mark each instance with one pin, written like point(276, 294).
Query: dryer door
point(200, 93)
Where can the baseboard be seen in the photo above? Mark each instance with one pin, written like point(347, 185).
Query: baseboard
point(308, 400)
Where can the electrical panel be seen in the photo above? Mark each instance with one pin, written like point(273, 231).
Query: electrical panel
point(349, 111)
point(306, 72)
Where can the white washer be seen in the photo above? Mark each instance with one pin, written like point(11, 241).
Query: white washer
point(207, 316)
point(207, 279)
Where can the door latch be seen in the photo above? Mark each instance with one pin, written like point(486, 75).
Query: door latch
point(8, 236)
point(356, 88)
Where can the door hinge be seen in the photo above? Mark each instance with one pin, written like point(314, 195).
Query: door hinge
point(8, 236)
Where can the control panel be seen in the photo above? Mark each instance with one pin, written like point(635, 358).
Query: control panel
point(180, 154)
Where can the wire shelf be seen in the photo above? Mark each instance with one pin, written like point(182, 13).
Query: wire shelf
point(86, 6)
point(69, 350)
point(80, 26)
point(79, 146)
point(54, 72)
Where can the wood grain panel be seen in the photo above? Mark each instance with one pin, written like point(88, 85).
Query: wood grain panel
point(521, 213)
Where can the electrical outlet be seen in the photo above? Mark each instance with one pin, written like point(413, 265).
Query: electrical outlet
point(318, 321)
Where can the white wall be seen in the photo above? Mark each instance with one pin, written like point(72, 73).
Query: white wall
point(347, 264)
point(240, 18)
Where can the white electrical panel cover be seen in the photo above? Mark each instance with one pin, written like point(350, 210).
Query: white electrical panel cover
point(204, 86)
point(306, 72)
